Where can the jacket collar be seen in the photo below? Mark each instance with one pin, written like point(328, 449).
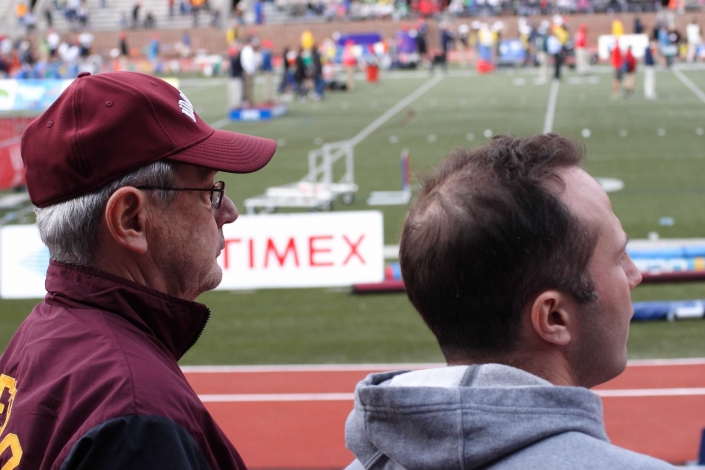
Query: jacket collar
point(175, 322)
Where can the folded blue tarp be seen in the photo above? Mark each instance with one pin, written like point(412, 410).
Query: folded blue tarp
point(668, 310)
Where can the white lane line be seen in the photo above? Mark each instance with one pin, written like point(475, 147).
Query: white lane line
point(377, 123)
point(306, 368)
point(694, 361)
point(288, 397)
point(651, 392)
point(686, 81)
point(390, 366)
point(551, 111)
point(255, 397)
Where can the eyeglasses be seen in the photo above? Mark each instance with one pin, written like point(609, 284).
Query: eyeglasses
point(217, 191)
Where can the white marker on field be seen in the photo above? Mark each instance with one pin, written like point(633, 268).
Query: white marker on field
point(317, 141)
point(551, 110)
point(586, 133)
point(699, 131)
point(623, 133)
point(281, 142)
point(661, 132)
point(432, 137)
point(487, 133)
point(470, 136)
point(393, 139)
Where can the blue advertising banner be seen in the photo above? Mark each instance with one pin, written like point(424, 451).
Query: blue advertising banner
point(30, 95)
point(511, 51)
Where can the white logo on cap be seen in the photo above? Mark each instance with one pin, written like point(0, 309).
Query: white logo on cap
point(186, 106)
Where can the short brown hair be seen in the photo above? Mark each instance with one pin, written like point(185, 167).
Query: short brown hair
point(486, 235)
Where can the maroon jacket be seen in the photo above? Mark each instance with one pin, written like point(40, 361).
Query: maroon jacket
point(90, 381)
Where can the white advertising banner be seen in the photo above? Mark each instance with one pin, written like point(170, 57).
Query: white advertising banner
point(303, 250)
point(23, 262)
point(272, 251)
point(638, 43)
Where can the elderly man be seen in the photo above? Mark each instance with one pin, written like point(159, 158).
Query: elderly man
point(514, 259)
point(121, 170)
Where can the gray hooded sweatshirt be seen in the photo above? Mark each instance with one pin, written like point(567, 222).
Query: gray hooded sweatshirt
point(480, 417)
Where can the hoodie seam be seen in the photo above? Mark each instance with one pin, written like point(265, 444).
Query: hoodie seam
point(461, 427)
point(425, 409)
point(376, 455)
point(374, 460)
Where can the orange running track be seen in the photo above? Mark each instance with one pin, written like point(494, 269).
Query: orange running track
point(293, 417)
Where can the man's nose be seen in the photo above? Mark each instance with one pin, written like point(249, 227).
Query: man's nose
point(634, 275)
point(226, 213)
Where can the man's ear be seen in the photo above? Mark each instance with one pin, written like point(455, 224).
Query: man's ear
point(553, 317)
point(126, 217)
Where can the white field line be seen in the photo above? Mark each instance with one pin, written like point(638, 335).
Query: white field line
point(386, 367)
point(551, 110)
point(203, 82)
point(686, 81)
point(287, 397)
point(220, 123)
point(377, 123)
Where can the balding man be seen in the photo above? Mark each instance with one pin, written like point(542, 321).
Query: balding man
point(121, 170)
point(513, 257)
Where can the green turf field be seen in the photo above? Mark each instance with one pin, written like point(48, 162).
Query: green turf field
point(655, 147)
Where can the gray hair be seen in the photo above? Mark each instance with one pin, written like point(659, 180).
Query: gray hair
point(70, 228)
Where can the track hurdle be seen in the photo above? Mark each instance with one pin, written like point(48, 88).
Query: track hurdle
point(318, 189)
point(395, 198)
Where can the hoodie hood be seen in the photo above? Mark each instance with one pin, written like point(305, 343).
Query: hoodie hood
point(463, 416)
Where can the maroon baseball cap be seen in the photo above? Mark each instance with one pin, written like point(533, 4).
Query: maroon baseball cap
point(105, 126)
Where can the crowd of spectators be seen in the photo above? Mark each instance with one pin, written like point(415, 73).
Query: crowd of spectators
point(137, 16)
point(399, 9)
point(74, 11)
point(49, 56)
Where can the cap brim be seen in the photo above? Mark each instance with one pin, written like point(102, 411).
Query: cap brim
point(228, 151)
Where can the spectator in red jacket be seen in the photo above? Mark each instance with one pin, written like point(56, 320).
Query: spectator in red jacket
point(582, 63)
point(618, 70)
point(629, 66)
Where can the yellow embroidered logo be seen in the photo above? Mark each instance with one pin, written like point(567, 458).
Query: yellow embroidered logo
point(8, 390)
